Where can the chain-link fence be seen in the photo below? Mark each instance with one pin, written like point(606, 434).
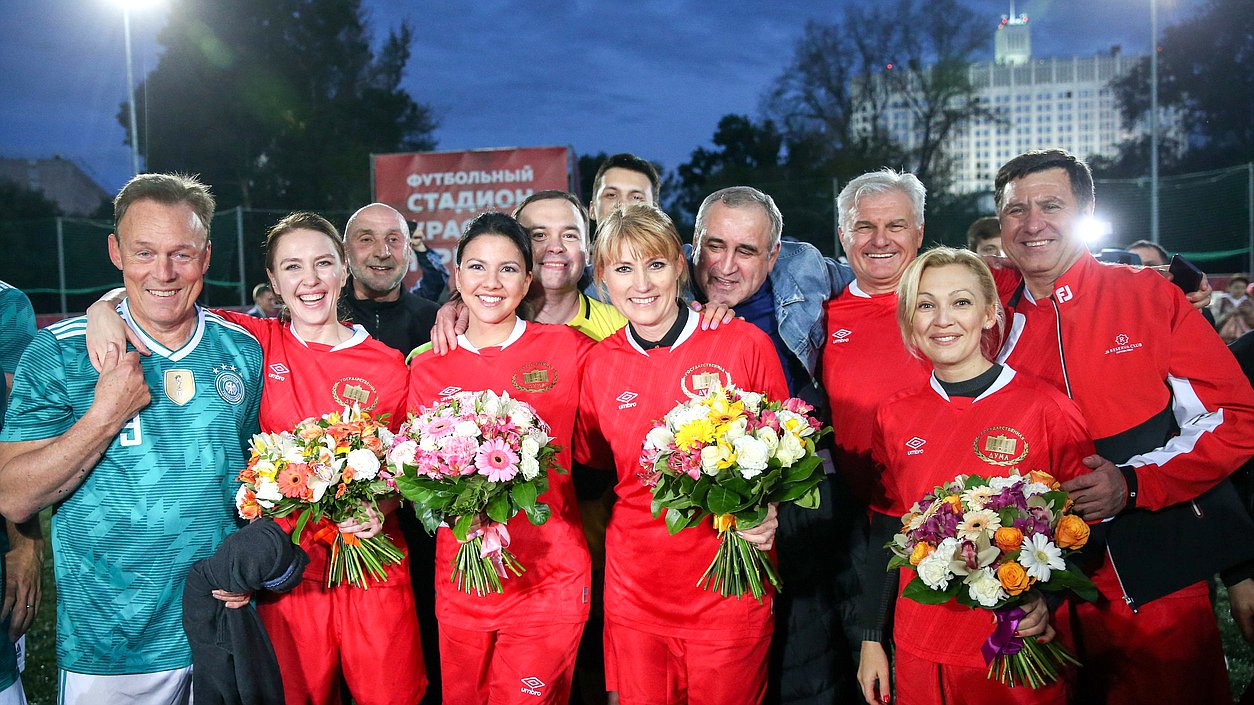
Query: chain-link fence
point(63, 263)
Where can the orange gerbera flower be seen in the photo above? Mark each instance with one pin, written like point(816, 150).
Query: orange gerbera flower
point(291, 480)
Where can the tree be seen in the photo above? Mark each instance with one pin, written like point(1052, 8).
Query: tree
point(835, 99)
point(278, 103)
point(1206, 78)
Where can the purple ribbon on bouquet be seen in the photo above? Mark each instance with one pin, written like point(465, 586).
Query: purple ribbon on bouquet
point(1003, 642)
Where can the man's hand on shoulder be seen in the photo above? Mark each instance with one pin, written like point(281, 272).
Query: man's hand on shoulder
point(121, 391)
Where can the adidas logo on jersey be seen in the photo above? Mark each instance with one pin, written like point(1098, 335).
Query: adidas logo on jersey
point(626, 400)
point(841, 336)
point(915, 445)
point(532, 685)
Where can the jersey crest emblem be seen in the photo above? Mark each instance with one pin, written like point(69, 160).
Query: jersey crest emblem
point(180, 386)
point(535, 377)
point(355, 391)
point(1001, 445)
point(229, 385)
point(698, 379)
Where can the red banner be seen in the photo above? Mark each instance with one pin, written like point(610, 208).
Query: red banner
point(440, 191)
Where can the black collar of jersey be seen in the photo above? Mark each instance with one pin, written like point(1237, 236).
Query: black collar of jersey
point(973, 387)
point(671, 335)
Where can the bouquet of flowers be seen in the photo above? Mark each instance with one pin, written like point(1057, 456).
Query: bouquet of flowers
point(327, 469)
point(476, 459)
point(730, 454)
point(987, 543)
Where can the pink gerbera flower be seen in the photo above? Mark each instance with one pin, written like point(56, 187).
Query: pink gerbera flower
point(497, 461)
point(438, 427)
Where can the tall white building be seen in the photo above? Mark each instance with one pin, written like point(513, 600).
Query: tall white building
point(1062, 103)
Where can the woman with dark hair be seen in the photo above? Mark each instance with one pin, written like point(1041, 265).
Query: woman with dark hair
point(523, 640)
point(666, 639)
point(316, 365)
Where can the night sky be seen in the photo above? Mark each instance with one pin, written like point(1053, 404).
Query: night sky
point(648, 77)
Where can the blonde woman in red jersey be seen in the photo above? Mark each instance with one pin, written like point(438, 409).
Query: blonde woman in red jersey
point(315, 365)
point(667, 640)
point(518, 646)
point(948, 314)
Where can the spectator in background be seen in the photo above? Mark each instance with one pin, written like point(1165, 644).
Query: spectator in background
point(1151, 255)
point(265, 303)
point(1234, 309)
point(623, 178)
point(434, 283)
point(984, 237)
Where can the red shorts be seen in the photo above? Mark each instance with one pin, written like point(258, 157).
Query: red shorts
point(369, 635)
point(922, 682)
point(530, 665)
point(646, 669)
point(1167, 652)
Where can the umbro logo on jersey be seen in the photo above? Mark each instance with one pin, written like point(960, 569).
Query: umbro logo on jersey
point(449, 391)
point(532, 686)
point(841, 336)
point(626, 400)
point(915, 445)
point(1063, 294)
point(277, 370)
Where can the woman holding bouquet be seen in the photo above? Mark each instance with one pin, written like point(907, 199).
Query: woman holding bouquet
point(975, 417)
point(666, 639)
point(316, 365)
point(517, 645)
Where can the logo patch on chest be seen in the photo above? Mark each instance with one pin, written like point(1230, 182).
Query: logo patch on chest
point(349, 391)
point(700, 378)
point(180, 386)
point(535, 377)
point(1001, 445)
point(1123, 344)
point(229, 385)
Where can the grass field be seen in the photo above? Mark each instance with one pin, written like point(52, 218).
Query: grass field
point(40, 678)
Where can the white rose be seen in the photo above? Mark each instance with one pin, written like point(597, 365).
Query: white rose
point(529, 467)
point(709, 460)
point(751, 455)
point(530, 449)
point(540, 437)
point(491, 403)
point(268, 493)
point(429, 444)
point(385, 435)
point(790, 450)
point(363, 463)
point(985, 588)
point(934, 571)
point(752, 400)
point(1034, 488)
point(999, 482)
point(403, 454)
point(660, 438)
point(466, 429)
point(737, 429)
point(520, 416)
point(767, 435)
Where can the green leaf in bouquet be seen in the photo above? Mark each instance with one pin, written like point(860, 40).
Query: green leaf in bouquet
point(974, 481)
point(1008, 515)
point(898, 562)
point(430, 520)
point(730, 478)
point(498, 507)
point(791, 492)
point(918, 591)
point(721, 500)
point(686, 484)
point(751, 517)
point(676, 521)
point(699, 494)
point(462, 527)
point(1056, 499)
point(655, 507)
point(524, 494)
point(811, 499)
point(300, 526)
point(537, 513)
point(1073, 580)
point(802, 469)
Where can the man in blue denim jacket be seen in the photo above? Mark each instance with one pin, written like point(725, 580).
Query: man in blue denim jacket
point(739, 259)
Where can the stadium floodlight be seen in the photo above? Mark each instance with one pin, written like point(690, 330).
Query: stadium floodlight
point(127, 6)
point(1094, 230)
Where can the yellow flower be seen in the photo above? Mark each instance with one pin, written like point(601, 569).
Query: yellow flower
point(921, 550)
point(694, 434)
point(955, 501)
point(723, 522)
point(722, 412)
point(726, 455)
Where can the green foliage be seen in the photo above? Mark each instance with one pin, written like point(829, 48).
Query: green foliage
point(278, 103)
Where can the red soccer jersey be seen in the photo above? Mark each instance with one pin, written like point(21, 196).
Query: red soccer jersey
point(864, 363)
point(651, 576)
point(306, 379)
point(923, 438)
point(541, 365)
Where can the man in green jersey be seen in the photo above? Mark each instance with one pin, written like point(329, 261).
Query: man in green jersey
point(138, 460)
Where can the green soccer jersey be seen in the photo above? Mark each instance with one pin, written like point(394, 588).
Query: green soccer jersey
point(160, 499)
point(17, 327)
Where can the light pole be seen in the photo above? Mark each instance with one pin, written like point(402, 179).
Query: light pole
point(130, 88)
point(1154, 121)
